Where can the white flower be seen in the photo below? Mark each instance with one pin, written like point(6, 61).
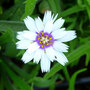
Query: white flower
point(43, 40)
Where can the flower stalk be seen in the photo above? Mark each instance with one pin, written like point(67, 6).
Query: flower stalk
point(66, 73)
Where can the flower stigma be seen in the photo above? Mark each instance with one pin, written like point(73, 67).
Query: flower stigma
point(44, 39)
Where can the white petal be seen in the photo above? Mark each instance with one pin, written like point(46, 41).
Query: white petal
point(48, 26)
point(45, 63)
point(20, 36)
point(27, 57)
point(29, 35)
point(26, 35)
point(60, 46)
point(54, 18)
point(38, 55)
point(20, 33)
point(23, 44)
point(50, 53)
point(33, 47)
point(30, 24)
point(58, 23)
point(47, 17)
point(39, 24)
point(61, 58)
point(70, 35)
point(58, 33)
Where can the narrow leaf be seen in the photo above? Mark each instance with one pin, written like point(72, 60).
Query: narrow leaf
point(14, 25)
point(17, 80)
point(71, 10)
point(29, 7)
point(72, 80)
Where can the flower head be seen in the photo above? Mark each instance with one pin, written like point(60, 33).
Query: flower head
point(43, 40)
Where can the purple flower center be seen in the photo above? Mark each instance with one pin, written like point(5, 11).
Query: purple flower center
point(44, 39)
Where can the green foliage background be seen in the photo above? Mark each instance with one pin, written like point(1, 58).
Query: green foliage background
point(14, 75)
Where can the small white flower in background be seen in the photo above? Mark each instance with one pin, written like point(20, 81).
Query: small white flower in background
point(43, 40)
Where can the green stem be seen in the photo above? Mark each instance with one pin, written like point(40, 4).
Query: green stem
point(66, 73)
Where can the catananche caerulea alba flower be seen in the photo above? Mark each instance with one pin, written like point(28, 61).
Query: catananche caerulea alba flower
point(44, 40)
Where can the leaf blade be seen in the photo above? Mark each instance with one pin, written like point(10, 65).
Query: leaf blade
point(72, 80)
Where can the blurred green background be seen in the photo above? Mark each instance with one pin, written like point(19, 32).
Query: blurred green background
point(14, 74)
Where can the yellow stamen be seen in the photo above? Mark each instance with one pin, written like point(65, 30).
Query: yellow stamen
point(46, 35)
point(42, 33)
point(38, 38)
point(40, 42)
point(50, 37)
point(47, 44)
point(42, 46)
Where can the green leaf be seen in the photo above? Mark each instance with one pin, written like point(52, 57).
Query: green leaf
point(73, 44)
point(44, 6)
point(29, 7)
point(17, 80)
point(87, 7)
point(52, 86)
point(78, 52)
point(71, 10)
point(10, 49)
point(18, 70)
point(9, 29)
point(66, 73)
point(52, 6)
point(13, 25)
point(6, 36)
point(72, 80)
point(71, 26)
point(80, 3)
point(14, 12)
point(7, 82)
point(58, 6)
point(87, 58)
point(88, 2)
point(40, 82)
point(81, 26)
point(21, 52)
point(22, 72)
point(7, 41)
point(53, 70)
point(1, 11)
point(70, 19)
point(74, 55)
point(1, 83)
